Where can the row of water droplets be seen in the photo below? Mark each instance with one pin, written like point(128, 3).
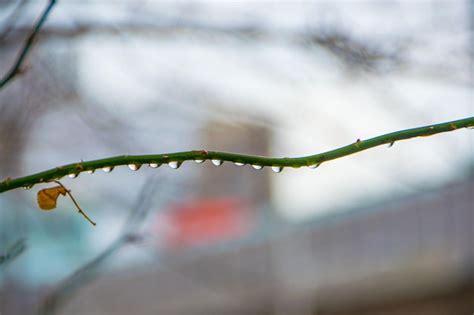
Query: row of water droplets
point(216, 162)
point(177, 164)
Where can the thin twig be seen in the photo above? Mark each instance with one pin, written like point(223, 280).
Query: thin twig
point(26, 48)
point(175, 159)
point(75, 203)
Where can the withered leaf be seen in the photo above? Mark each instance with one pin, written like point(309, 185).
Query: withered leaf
point(48, 197)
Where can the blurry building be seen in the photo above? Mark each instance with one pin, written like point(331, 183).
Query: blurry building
point(410, 256)
point(229, 180)
point(229, 197)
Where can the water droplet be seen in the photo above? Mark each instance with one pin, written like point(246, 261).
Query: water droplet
point(27, 187)
point(217, 162)
point(154, 165)
point(134, 167)
point(174, 164)
point(239, 163)
point(199, 161)
point(277, 169)
point(90, 171)
point(257, 167)
point(313, 166)
point(73, 175)
point(391, 144)
point(108, 169)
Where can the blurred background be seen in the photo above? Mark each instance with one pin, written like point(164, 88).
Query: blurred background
point(385, 231)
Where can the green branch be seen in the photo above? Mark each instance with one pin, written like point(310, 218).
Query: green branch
point(26, 48)
point(175, 159)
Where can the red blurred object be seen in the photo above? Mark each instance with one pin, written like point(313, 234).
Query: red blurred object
point(206, 221)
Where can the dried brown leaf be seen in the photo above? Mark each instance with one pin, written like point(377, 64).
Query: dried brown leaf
point(48, 197)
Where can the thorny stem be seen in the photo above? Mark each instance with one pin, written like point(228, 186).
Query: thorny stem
point(79, 209)
point(16, 68)
point(179, 157)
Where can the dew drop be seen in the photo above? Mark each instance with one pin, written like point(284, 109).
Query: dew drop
point(313, 166)
point(257, 167)
point(108, 169)
point(27, 187)
point(277, 169)
point(154, 165)
point(217, 162)
point(174, 164)
point(90, 171)
point(239, 163)
point(134, 167)
point(73, 175)
point(199, 161)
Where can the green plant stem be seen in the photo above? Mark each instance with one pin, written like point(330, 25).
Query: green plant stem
point(312, 160)
point(26, 48)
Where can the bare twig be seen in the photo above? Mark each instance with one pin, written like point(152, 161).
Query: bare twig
point(26, 48)
point(75, 203)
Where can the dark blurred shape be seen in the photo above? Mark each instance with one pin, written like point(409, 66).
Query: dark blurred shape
point(13, 251)
point(359, 54)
